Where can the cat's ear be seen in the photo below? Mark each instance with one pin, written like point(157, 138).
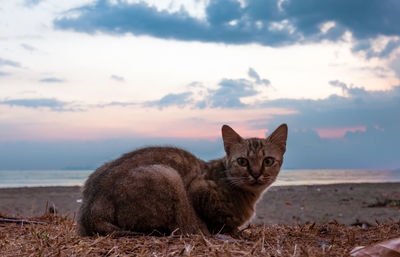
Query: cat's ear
point(230, 138)
point(279, 137)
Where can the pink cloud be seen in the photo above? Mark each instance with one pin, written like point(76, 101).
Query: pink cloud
point(338, 132)
point(209, 131)
point(379, 128)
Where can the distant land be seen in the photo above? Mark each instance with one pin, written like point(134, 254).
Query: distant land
point(79, 168)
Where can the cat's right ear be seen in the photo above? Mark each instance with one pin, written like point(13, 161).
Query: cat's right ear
point(279, 137)
point(230, 138)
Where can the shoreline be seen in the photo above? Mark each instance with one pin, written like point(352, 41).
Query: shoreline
point(287, 177)
point(272, 186)
point(347, 203)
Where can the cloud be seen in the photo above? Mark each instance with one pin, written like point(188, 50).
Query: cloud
point(253, 74)
point(372, 149)
point(228, 94)
point(379, 71)
point(359, 107)
point(272, 23)
point(220, 12)
point(2, 74)
point(370, 121)
point(395, 65)
point(117, 78)
point(35, 103)
point(51, 103)
point(337, 83)
point(52, 80)
point(356, 110)
point(123, 104)
point(5, 62)
point(370, 51)
point(28, 47)
point(179, 100)
point(364, 20)
point(31, 3)
point(138, 18)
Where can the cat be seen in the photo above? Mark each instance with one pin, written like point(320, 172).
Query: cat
point(169, 190)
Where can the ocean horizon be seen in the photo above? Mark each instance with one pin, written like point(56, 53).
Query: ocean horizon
point(287, 177)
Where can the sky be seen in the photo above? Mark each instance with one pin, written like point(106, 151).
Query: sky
point(83, 81)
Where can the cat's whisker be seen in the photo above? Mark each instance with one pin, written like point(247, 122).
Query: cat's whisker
point(269, 179)
point(235, 181)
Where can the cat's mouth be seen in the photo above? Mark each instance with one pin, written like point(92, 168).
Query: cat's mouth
point(256, 182)
point(261, 181)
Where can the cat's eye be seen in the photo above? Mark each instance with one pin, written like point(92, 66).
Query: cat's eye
point(242, 161)
point(268, 161)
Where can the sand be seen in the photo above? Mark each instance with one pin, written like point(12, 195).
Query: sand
point(31, 201)
point(346, 203)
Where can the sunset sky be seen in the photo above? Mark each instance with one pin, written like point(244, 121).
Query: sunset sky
point(83, 81)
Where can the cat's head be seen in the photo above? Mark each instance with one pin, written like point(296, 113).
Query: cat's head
point(253, 163)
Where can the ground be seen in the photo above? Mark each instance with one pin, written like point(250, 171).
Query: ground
point(58, 237)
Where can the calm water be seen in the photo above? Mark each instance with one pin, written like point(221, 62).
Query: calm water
point(286, 177)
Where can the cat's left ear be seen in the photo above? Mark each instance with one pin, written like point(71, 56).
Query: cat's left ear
point(230, 138)
point(279, 137)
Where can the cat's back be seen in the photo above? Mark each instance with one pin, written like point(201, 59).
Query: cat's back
point(129, 192)
point(185, 163)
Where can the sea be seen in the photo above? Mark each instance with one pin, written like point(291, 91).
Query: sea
point(34, 178)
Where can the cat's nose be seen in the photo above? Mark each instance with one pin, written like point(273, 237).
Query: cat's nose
point(255, 175)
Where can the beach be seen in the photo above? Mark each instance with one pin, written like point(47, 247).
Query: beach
point(348, 204)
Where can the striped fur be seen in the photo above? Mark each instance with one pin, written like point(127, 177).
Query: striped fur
point(165, 189)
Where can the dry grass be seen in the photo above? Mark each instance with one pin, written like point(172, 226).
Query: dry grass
point(58, 237)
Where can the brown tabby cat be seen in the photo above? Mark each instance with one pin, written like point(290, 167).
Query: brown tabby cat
point(168, 189)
